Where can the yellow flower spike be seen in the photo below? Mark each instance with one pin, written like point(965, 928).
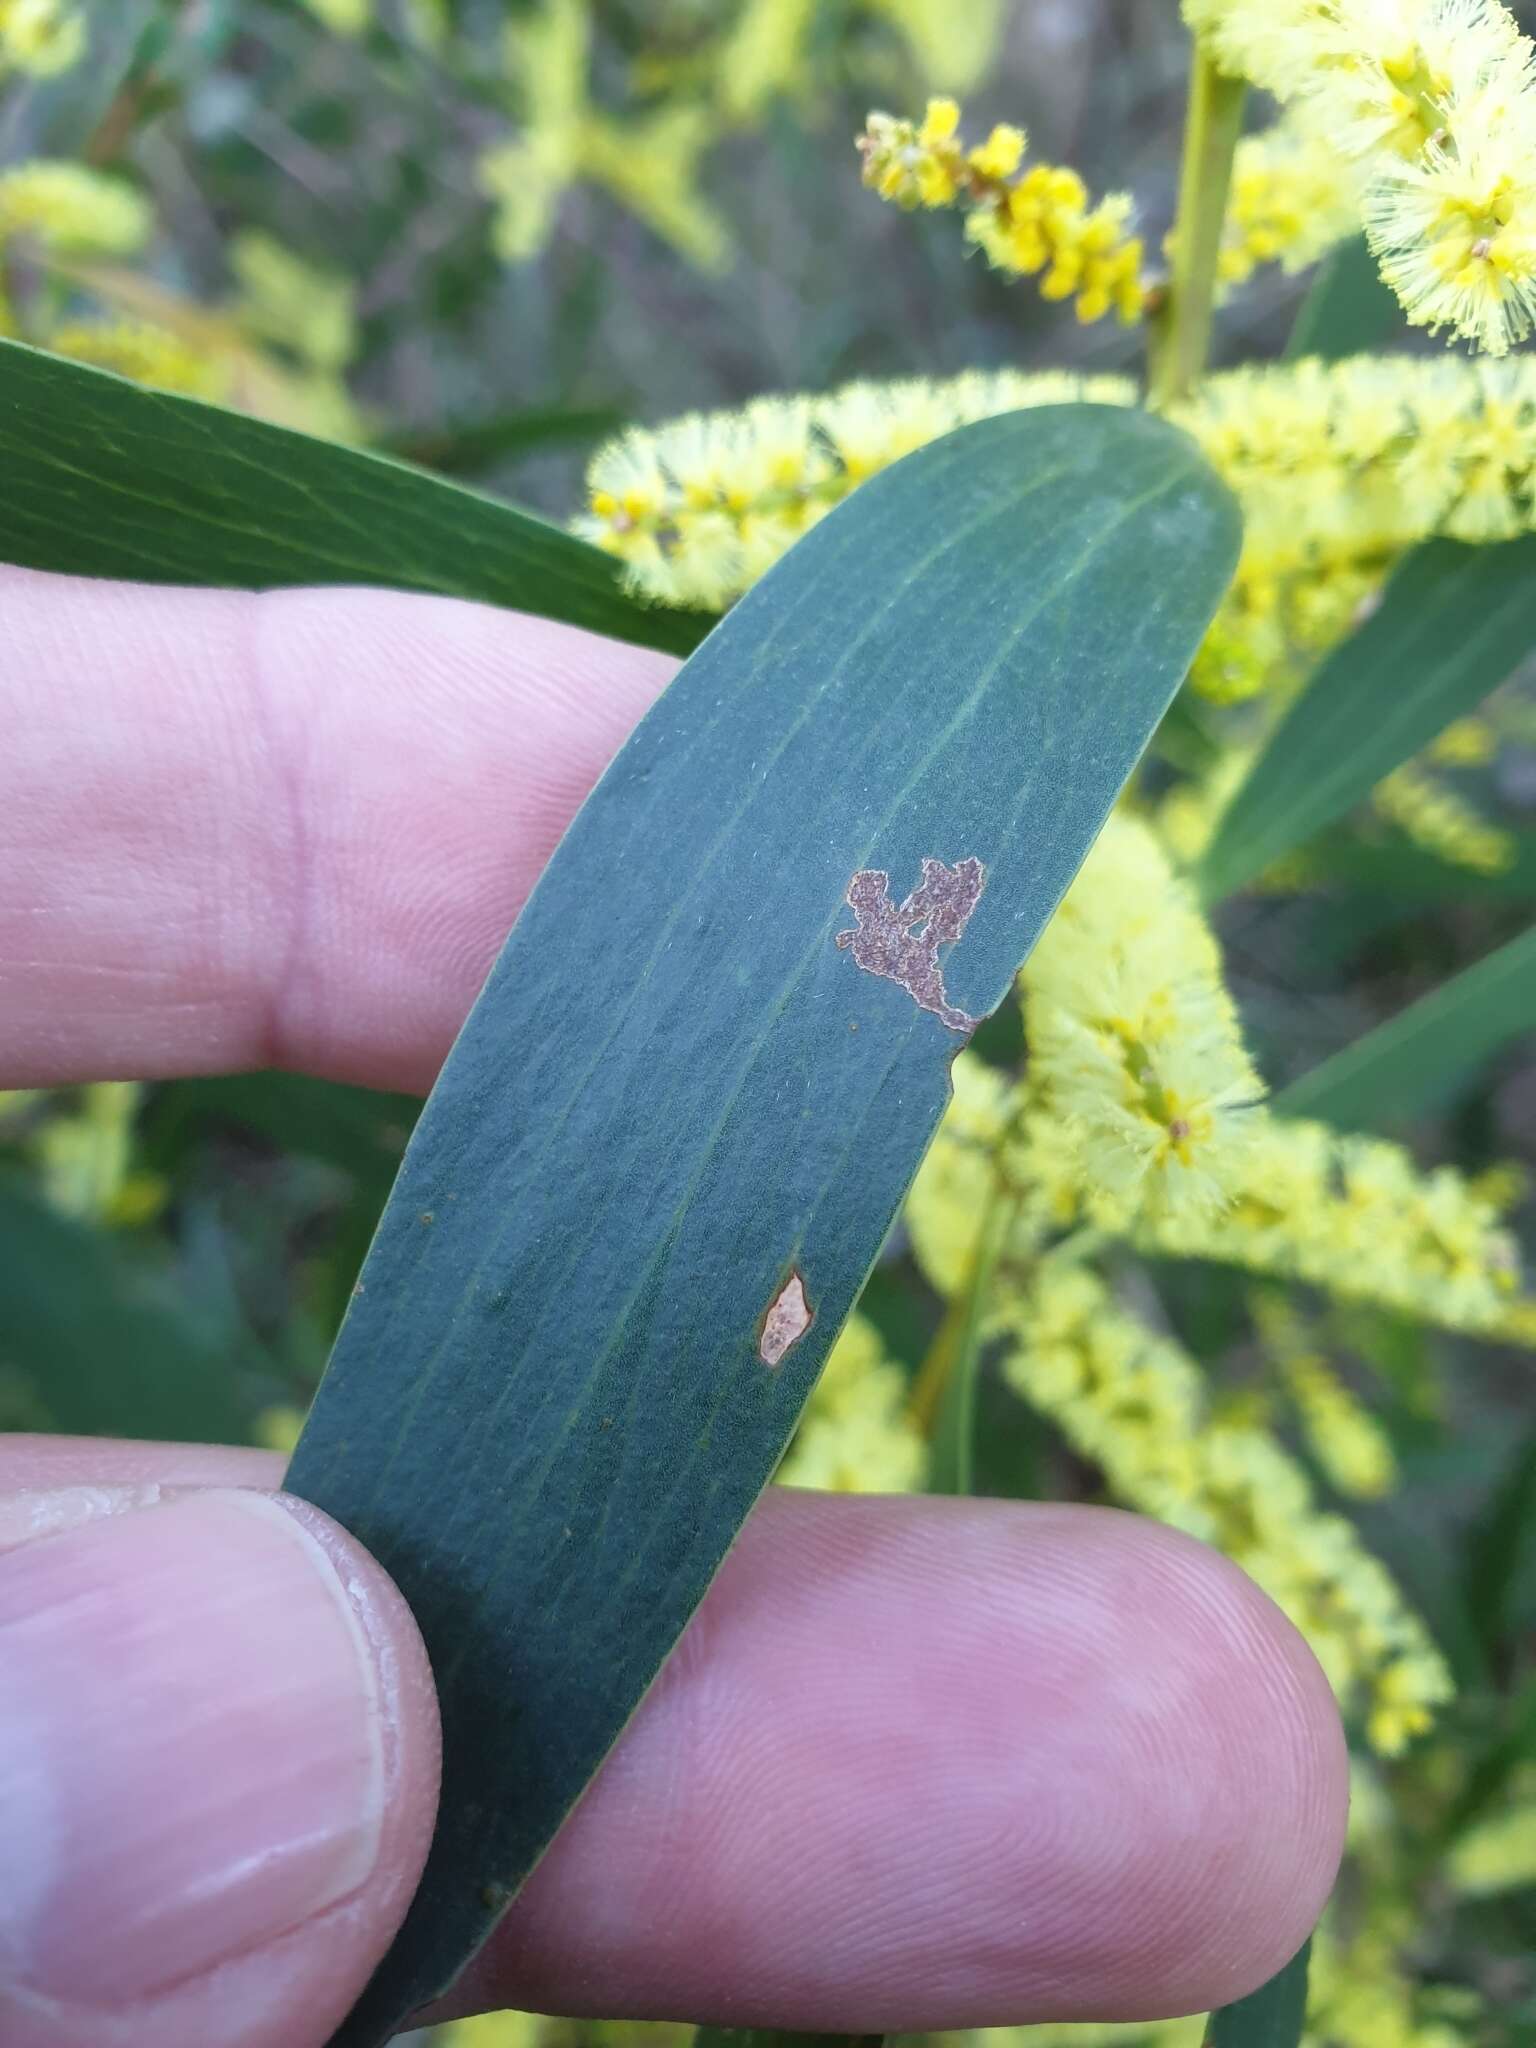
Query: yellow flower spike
point(1434, 102)
point(144, 352)
point(40, 37)
point(1136, 1405)
point(1040, 223)
point(1001, 154)
point(1134, 1047)
point(69, 208)
point(856, 1435)
point(941, 122)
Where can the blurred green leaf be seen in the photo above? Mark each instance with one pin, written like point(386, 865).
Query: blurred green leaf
point(1452, 625)
point(1419, 1058)
point(1348, 311)
point(101, 1337)
point(550, 1409)
point(1272, 2017)
point(469, 447)
point(1398, 869)
point(104, 478)
point(1501, 1550)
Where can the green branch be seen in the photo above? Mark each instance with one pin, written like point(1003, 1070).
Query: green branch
point(1182, 338)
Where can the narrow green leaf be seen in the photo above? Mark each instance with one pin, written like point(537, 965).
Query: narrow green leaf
point(1501, 1548)
point(1272, 2017)
point(1453, 623)
point(1406, 872)
point(681, 1110)
point(104, 478)
point(952, 1468)
point(1348, 311)
point(99, 1337)
point(468, 447)
point(1424, 1055)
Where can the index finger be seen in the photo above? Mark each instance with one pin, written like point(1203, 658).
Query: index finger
point(288, 829)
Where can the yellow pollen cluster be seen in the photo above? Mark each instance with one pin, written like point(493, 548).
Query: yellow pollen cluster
point(1292, 197)
point(147, 354)
point(1137, 1405)
point(1357, 1218)
point(1340, 469)
point(1038, 224)
point(75, 211)
point(698, 509)
point(856, 1435)
point(1441, 821)
point(40, 37)
point(1435, 101)
point(1136, 1053)
point(1345, 1438)
point(649, 162)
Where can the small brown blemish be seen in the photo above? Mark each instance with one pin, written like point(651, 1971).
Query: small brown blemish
point(427, 1216)
point(901, 941)
point(789, 1316)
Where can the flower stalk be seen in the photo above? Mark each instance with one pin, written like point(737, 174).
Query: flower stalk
point(1181, 338)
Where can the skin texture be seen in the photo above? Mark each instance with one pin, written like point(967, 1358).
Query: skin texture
point(916, 1762)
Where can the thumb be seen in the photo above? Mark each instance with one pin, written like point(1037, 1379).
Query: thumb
point(218, 1770)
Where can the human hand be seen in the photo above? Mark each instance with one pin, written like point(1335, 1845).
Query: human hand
point(917, 1763)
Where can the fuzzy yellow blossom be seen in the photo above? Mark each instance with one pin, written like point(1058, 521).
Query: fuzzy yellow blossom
point(1465, 743)
point(650, 163)
point(1498, 1854)
point(951, 46)
point(762, 56)
point(698, 509)
point(1340, 468)
point(1442, 822)
point(66, 207)
point(282, 299)
point(1359, 1219)
point(856, 1435)
point(1346, 1439)
point(342, 17)
point(1292, 198)
point(949, 1196)
point(1362, 1991)
point(493, 2030)
point(1135, 1047)
point(84, 1155)
point(1436, 101)
point(40, 37)
point(1138, 1406)
point(277, 1428)
point(1038, 224)
point(146, 353)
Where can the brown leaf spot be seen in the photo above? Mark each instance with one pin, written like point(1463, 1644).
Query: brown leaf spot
point(901, 941)
point(789, 1316)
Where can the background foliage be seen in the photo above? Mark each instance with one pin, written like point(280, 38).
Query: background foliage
point(402, 226)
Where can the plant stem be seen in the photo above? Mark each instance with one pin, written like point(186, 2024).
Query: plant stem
point(958, 1346)
point(1183, 336)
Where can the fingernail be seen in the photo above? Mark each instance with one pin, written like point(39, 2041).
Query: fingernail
point(191, 1744)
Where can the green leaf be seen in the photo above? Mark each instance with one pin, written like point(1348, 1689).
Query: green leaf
point(1272, 2017)
point(1452, 624)
point(549, 1409)
point(469, 447)
point(104, 478)
point(1427, 1053)
point(1501, 1548)
point(100, 1337)
point(1349, 311)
